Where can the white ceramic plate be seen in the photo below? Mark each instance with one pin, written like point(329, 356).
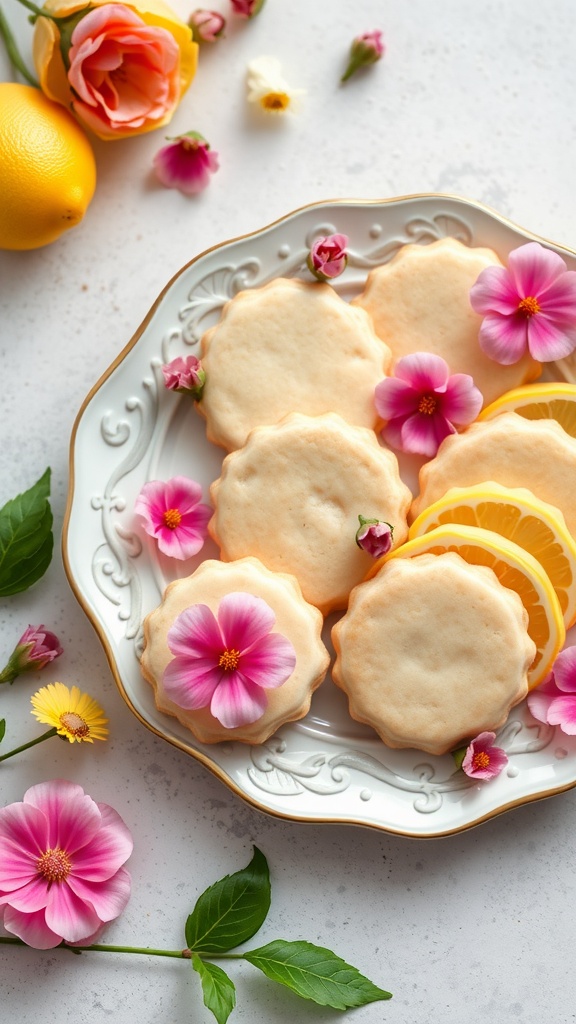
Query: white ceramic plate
point(130, 430)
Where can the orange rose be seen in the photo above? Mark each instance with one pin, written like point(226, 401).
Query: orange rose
point(125, 67)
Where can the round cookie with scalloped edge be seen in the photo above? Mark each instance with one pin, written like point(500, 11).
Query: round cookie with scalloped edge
point(432, 651)
point(419, 302)
point(297, 620)
point(292, 496)
point(289, 346)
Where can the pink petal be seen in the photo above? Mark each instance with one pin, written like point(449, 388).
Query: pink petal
point(109, 900)
point(26, 827)
point(30, 897)
point(73, 817)
point(191, 683)
point(533, 268)
point(546, 341)
point(565, 670)
point(69, 916)
point(238, 702)
point(106, 852)
point(539, 699)
point(494, 292)
point(151, 503)
point(196, 633)
point(423, 371)
point(31, 928)
point(423, 435)
point(17, 866)
point(562, 712)
point(244, 620)
point(462, 400)
point(559, 299)
point(188, 170)
point(183, 541)
point(504, 338)
point(182, 493)
point(394, 398)
point(270, 662)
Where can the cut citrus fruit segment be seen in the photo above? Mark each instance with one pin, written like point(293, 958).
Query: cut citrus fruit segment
point(545, 401)
point(517, 514)
point(515, 568)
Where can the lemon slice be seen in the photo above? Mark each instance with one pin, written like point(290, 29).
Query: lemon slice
point(549, 401)
point(517, 514)
point(515, 568)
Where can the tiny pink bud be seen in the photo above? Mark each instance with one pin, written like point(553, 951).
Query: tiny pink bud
point(187, 163)
point(185, 375)
point(247, 8)
point(36, 648)
point(328, 257)
point(366, 49)
point(374, 536)
point(207, 26)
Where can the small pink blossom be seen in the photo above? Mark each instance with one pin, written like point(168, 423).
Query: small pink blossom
point(207, 26)
point(422, 404)
point(366, 49)
point(187, 163)
point(61, 873)
point(328, 257)
point(227, 663)
point(482, 759)
point(185, 375)
point(36, 648)
point(174, 516)
point(374, 536)
point(247, 8)
point(528, 306)
point(554, 701)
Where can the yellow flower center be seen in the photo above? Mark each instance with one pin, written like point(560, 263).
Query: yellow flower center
point(481, 759)
point(172, 518)
point(275, 101)
point(54, 865)
point(529, 306)
point(229, 660)
point(427, 405)
point(74, 724)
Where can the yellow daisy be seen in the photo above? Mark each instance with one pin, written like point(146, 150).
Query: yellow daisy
point(72, 713)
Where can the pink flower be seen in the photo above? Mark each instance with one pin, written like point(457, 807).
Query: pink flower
point(530, 305)
point(328, 257)
point(366, 49)
point(36, 648)
point(207, 26)
point(61, 857)
point(247, 8)
point(125, 73)
point(374, 536)
point(482, 760)
point(185, 376)
point(173, 515)
point(187, 163)
point(422, 403)
point(554, 701)
point(227, 663)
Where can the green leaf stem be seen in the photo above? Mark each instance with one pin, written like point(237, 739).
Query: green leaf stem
point(217, 988)
point(231, 910)
point(26, 539)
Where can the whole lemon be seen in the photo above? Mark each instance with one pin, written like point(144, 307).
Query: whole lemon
point(47, 168)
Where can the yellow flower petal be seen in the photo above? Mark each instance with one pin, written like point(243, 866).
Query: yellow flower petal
point(74, 714)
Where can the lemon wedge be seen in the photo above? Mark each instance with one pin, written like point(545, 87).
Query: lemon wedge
point(544, 401)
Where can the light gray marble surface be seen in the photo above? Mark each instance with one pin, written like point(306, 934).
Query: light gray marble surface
point(472, 99)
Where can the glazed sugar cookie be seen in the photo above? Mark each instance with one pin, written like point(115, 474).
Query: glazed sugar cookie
point(419, 302)
point(432, 651)
point(295, 620)
point(290, 346)
point(292, 496)
point(508, 450)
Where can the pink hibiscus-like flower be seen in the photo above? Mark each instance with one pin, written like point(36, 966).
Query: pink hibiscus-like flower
point(207, 26)
point(422, 404)
point(366, 49)
point(374, 536)
point(227, 663)
point(529, 305)
point(328, 257)
point(61, 857)
point(247, 8)
point(185, 375)
point(482, 759)
point(187, 163)
point(36, 648)
point(554, 701)
point(174, 516)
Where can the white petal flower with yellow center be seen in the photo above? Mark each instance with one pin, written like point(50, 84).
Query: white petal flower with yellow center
point(268, 88)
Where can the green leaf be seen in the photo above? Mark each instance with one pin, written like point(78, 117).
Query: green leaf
point(231, 910)
point(26, 539)
point(217, 988)
point(315, 973)
point(2, 728)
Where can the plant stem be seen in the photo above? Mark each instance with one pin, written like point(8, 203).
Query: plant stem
point(31, 743)
point(97, 947)
point(35, 10)
point(18, 63)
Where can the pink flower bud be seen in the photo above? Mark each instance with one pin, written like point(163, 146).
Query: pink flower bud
point(374, 536)
point(36, 648)
point(247, 8)
point(185, 376)
point(366, 49)
point(187, 163)
point(207, 26)
point(328, 257)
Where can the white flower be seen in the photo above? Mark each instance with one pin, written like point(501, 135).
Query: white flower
point(268, 88)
